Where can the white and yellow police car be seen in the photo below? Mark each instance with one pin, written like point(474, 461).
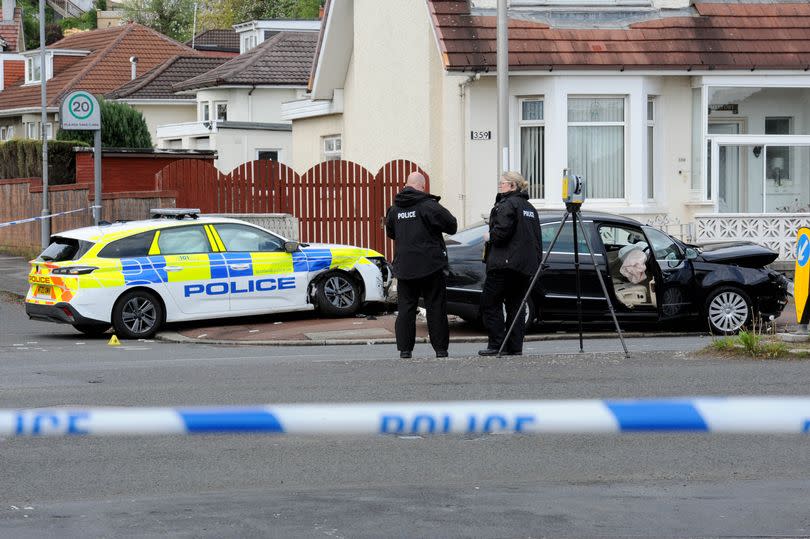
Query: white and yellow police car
point(135, 276)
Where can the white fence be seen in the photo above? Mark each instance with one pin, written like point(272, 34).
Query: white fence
point(774, 230)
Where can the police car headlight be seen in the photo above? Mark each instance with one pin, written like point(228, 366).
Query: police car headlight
point(382, 265)
point(74, 270)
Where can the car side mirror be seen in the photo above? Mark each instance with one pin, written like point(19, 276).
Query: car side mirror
point(291, 246)
point(691, 253)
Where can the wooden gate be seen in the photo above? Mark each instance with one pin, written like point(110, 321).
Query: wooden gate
point(334, 201)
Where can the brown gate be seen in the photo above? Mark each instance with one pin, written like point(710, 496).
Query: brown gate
point(334, 201)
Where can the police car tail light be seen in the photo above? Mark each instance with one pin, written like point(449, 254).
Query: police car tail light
point(74, 270)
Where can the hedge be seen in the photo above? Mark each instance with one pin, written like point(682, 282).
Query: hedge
point(22, 158)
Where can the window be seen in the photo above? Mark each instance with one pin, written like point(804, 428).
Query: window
point(33, 71)
point(10, 132)
point(222, 111)
point(650, 148)
point(531, 145)
point(49, 130)
point(63, 249)
point(183, 240)
point(131, 247)
point(3, 133)
point(565, 242)
point(205, 111)
point(664, 248)
point(777, 164)
point(596, 144)
point(332, 148)
point(248, 42)
point(31, 130)
point(242, 238)
point(267, 155)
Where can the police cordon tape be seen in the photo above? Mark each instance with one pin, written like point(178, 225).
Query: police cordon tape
point(41, 217)
point(752, 415)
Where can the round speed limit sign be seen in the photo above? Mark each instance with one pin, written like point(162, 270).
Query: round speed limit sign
point(80, 111)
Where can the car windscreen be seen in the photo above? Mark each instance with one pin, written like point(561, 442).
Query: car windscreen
point(467, 236)
point(62, 249)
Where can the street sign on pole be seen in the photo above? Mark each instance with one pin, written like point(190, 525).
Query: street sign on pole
point(80, 112)
point(801, 276)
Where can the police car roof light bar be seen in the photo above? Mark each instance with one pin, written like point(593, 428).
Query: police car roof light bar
point(174, 213)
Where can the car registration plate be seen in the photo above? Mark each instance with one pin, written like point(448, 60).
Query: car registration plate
point(43, 291)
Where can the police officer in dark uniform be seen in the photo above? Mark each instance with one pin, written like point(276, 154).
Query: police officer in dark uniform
point(416, 222)
point(513, 256)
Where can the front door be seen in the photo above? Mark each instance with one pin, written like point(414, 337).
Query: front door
point(677, 275)
point(558, 280)
point(192, 277)
point(262, 275)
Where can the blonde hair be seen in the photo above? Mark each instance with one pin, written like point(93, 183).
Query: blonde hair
point(516, 178)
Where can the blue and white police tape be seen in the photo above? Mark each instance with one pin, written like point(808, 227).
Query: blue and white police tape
point(789, 415)
point(41, 217)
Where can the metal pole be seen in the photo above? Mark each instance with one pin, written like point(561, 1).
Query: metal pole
point(194, 27)
point(578, 280)
point(502, 68)
point(43, 75)
point(97, 174)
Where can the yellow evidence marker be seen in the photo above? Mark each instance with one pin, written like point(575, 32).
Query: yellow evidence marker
point(114, 341)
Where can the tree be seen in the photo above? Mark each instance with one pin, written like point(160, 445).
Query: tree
point(225, 13)
point(173, 18)
point(121, 127)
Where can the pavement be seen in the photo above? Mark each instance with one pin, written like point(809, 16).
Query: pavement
point(370, 327)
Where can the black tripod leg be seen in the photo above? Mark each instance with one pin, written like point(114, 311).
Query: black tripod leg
point(604, 288)
point(577, 277)
point(534, 279)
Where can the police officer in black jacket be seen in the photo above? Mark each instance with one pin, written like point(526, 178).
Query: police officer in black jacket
point(416, 222)
point(513, 256)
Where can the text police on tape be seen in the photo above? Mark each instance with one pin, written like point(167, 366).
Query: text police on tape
point(426, 423)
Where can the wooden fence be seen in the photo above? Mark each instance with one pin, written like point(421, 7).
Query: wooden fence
point(334, 201)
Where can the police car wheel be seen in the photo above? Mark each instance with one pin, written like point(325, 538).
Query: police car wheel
point(337, 294)
point(138, 314)
point(92, 330)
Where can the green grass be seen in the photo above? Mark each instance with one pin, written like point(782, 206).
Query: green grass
point(750, 344)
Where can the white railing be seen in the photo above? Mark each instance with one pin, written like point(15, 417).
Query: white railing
point(186, 129)
point(776, 231)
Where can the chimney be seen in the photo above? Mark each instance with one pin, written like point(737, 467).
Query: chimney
point(133, 60)
point(320, 12)
point(8, 10)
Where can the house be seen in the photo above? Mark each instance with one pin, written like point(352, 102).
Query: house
point(12, 43)
point(239, 102)
point(216, 42)
point(676, 113)
point(153, 94)
point(98, 61)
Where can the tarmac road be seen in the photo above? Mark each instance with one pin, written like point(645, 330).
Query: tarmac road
point(452, 486)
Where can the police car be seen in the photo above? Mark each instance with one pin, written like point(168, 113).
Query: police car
point(178, 266)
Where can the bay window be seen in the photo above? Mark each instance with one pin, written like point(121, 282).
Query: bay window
point(596, 133)
point(531, 145)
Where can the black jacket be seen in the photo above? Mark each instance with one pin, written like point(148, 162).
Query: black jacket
point(514, 234)
point(415, 222)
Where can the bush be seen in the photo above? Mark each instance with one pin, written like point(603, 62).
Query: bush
point(22, 158)
point(121, 127)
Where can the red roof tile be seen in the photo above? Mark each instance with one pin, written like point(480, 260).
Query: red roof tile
point(104, 69)
point(718, 36)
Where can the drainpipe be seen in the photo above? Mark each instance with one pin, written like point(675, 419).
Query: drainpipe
point(133, 60)
point(462, 94)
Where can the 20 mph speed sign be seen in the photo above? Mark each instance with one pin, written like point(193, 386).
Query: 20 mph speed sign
point(80, 111)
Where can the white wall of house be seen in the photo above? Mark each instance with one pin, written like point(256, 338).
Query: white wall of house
point(237, 146)
point(259, 105)
point(308, 134)
point(156, 115)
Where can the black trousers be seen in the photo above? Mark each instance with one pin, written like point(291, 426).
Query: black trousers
point(434, 289)
point(504, 288)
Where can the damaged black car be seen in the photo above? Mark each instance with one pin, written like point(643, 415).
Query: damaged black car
point(650, 276)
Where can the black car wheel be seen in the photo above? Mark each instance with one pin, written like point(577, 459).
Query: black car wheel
point(728, 310)
point(137, 314)
point(92, 330)
point(338, 295)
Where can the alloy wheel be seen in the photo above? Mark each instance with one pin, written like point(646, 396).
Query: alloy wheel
point(139, 315)
point(339, 292)
point(728, 311)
